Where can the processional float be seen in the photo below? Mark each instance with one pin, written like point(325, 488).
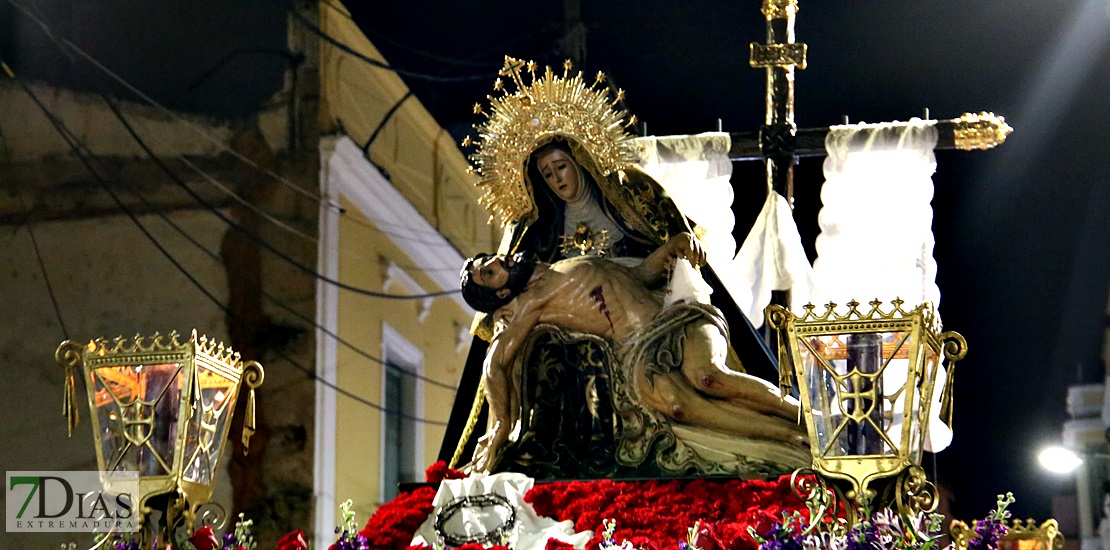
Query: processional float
point(871, 365)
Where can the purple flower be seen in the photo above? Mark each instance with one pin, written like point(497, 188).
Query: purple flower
point(121, 543)
point(230, 541)
point(350, 541)
point(989, 532)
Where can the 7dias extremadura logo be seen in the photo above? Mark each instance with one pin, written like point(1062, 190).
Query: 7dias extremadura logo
point(39, 501)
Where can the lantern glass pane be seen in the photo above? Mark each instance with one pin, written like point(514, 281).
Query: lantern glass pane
point(857, 383)
point(207, 427)
point(138, 407)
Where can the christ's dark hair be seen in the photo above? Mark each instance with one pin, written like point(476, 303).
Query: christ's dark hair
point(477, 296)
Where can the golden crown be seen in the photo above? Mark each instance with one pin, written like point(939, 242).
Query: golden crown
point(538, 111)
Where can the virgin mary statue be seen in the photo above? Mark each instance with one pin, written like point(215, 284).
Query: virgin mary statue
point(559, 171)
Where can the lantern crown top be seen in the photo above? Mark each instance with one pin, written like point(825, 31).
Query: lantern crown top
point(833, 312)
point(157, 342)
point(138, 344)
point(216, 350)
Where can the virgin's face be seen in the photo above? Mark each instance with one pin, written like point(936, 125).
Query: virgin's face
point(560, 173)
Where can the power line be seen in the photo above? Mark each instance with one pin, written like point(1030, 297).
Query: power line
point(42, 268)
point(257, 239)
point(66, 46)
point(276, 301)
point(415, 237)
point(449, 60)
point(314, 29)
point(70, 139)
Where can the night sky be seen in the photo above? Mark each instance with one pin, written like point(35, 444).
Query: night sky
point(1022, 234)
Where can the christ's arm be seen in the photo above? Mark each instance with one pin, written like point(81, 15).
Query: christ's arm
point(653, 271)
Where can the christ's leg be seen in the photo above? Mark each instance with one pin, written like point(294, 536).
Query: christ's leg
point(673, 397)
point(704, 366)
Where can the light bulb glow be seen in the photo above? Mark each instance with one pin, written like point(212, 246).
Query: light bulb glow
point(1059, 460)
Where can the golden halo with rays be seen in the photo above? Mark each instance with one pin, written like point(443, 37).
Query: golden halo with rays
point(546, 107)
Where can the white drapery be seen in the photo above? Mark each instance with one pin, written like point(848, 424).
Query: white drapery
point(876, 236)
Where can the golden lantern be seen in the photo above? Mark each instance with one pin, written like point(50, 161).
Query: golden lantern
point(161, 408)
point(865, 382)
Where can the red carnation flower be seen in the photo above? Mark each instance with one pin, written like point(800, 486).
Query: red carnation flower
point(204, 539)
point(394, 523)
point(293, 541)
point(439, 471)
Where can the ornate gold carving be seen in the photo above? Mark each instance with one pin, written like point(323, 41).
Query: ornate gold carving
point(545, 107)
point(779, 9)
point(980, 131)
point(68, 356)
point(1047, 536)
point(253, 375)
point(585, 241)
point(778, 55)
point(119, 345)
point(854, 315)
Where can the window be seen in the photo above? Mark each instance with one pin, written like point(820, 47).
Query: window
point(402, 398)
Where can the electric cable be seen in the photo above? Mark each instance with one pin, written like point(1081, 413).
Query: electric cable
point(68, 48)
point(252, 236)
point(277, 222)
point(278, 302)
point(62, 130)
point(314, 29)
point(385, 120)
point(291, 59)
point(384, 38)
point(42, 266)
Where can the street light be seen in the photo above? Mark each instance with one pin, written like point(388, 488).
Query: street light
point(1059, 460)
point(161, 408)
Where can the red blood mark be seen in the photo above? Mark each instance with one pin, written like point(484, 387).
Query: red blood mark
point(600, 299)
point(708, 381)
point(677, 413)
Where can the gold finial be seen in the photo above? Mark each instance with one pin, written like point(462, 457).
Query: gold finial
point(980, 131)
point(600, 77)
point(467, 142)
point(779, 9)
point(512, 69)
point(631, 121)
point(567, 66)
point(498, 85)
point(477, 108)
